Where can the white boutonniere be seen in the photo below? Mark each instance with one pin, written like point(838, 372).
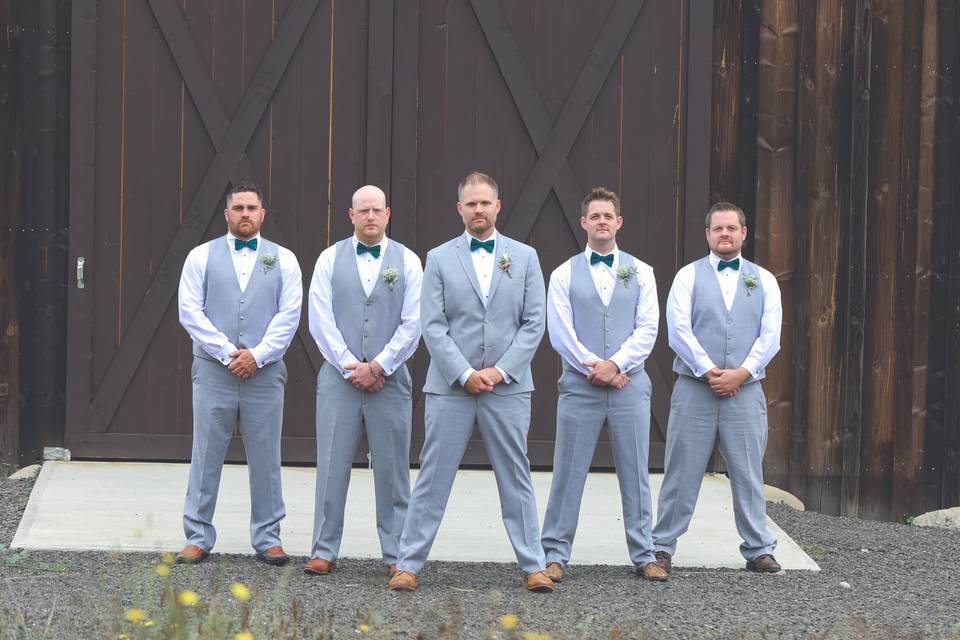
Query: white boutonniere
point(627, 274)
point(506, 261)
point(269, 261)
point(750, 282)
point(391, 276)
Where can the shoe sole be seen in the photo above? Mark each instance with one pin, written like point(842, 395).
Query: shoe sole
point(755, 569)
point(315, 572)
point(188, 561)
point(541, 589)
point(273, 562)
point(404, 588)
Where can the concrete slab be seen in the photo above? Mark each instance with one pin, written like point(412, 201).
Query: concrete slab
point(119, 506)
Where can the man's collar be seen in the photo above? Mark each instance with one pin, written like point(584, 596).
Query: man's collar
point(589, 251)
point(715, 259)
point(493, 236)
point(382, 243)
point(231, 238)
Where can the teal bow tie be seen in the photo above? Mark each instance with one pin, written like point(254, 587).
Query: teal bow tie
point(240, 244)
point(733, 264)
point(362, 249)
point(596, 257)
point(481, 244)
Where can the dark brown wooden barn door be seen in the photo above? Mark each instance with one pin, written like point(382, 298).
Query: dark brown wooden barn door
point(173, 100)
point(552, 99)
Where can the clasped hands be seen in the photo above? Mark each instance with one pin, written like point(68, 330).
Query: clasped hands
point(366, 376)
point(725, 383)
point(605, 373)
point(243, 364)
point(483, 381)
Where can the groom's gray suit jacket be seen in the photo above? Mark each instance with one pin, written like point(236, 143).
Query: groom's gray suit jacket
point(460, 331)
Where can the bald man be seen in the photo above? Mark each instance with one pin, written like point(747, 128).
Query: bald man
point(365, 318)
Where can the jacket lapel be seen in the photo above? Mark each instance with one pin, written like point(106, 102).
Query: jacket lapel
point(463, 253)
point(502, 248)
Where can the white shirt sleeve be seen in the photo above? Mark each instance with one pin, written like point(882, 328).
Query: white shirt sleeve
point(323, 326)
point(406, 338)
point(563, 337)
point(283, 326)
point(767, 343)
point(679, 328)
point(635, 349)
point(190, 302)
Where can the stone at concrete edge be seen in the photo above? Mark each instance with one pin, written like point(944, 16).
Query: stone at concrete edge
point(26, 473)
point(773, 494)
point(942, 519)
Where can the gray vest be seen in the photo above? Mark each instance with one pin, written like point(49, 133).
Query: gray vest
point(243, 316)
point(602, 329)
point(726, 336)
point(367, 324)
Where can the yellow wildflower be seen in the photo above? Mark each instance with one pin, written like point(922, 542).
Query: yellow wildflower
point(148, 623)
point(240, 591)
point(162, 570)
point(530, 635)
point(123, 636)
point(168, 558)
point(188, 598)
point(135, 616)
point(363, 628)
point(243, 635)
point(508, 621)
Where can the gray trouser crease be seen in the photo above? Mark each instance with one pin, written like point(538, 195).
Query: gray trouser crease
point(221, 402)
point(344, 414)
point(698, 419)
point(504, 422)
point(582, 411)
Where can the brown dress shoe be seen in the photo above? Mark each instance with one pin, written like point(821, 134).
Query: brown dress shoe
point(664, 560)
point(191, 554)
point(652, 571)
point(392, 570)
point(554, 571)
point(403, 581)
point(274, 555)
point(539, 582)
point(763, 564)
point(319, 566)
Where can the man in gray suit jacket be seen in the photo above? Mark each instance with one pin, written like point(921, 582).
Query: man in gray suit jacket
point(482, 314)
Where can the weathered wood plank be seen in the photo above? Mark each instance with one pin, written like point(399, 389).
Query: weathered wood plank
point(775, 217)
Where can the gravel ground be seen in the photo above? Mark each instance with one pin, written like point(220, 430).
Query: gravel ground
point(903, 582)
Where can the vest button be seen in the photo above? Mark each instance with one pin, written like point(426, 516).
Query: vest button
point(241, 333)
point(608, 346)
point(241, 317)
point(241, 300)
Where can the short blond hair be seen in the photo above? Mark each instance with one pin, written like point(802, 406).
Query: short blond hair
point(475, 177)
point(726, 206)
point(603, 194)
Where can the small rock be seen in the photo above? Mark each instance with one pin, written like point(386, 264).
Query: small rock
point(864, 550)
point(844, 585)
point(26, 473)
point(942, 519)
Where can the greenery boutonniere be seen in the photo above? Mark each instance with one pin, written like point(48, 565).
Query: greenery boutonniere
point(627, 274)
point(750, 282)
point(391, 276)
point(269, 261)
point(506, 261)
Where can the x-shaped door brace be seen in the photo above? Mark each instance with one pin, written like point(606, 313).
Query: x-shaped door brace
point(554, 142)
point(230, 140)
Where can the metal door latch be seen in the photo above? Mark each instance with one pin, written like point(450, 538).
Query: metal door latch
point(80, 262)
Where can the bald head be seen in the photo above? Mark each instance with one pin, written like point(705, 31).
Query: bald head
point(367, 193)
point(369, 214)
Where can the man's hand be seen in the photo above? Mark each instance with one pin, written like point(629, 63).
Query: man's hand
point(602, 372)
point(493, 375)
point(366, 376)
point(243, 365)
point(480, 382)
point(725, 383)
point(620, 381)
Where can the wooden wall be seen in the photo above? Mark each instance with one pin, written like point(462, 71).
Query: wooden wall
point(845, 111)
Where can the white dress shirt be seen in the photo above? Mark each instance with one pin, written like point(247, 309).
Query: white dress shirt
point(279, 332)
point(680, 332)
point(635, 349)
point(323, 325)
point(483, 263)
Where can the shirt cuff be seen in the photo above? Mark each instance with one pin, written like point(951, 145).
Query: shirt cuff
point(386, 363)
point(621, 361)
point(753, 366)
point(346, 373)
point(703, 365)
point(224, 355)
point(503, 374)
point(466, 375)
point(259, 356)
